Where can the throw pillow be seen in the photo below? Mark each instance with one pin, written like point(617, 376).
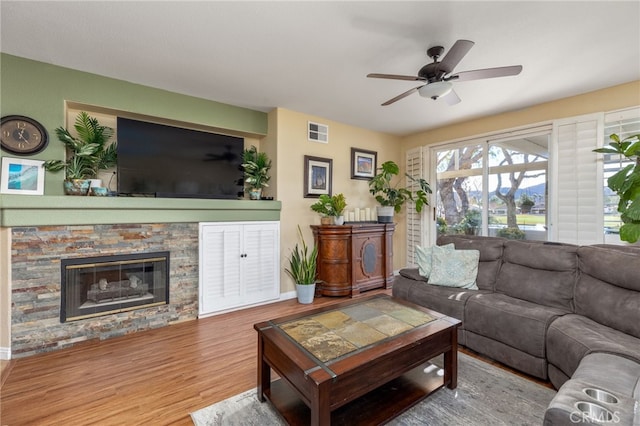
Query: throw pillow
point(457, 268)
point(423, 258)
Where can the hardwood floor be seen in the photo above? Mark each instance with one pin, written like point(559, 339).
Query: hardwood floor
point(155, 377)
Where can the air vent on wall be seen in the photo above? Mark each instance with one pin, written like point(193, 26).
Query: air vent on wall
point(318, 132)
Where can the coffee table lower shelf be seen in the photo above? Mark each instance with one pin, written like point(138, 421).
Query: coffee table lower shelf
point(374, 408)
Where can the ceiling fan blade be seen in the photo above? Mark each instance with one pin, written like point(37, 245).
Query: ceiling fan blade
point(451, 98)
point(486, 73)
point(396, 77)
point(400, 96)
point(459, 49)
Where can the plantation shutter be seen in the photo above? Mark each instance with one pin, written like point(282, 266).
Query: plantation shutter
point(577, 215)
point(416, 229)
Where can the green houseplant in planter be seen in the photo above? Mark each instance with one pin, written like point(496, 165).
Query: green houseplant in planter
point(338, 203)
point(626, 183)
point(303, 270)
point(331, 208)
point(90, 153)
point(256, 167)
point(391, 197)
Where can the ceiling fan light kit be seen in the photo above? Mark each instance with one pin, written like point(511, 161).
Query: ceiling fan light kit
point(437, 75)
point(435, 90)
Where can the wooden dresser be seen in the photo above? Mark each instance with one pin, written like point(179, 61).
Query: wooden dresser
point(354, 257)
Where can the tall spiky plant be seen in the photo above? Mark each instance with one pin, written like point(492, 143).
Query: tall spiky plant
point(302, 263)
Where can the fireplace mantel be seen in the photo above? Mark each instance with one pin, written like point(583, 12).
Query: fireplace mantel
point(22, 210)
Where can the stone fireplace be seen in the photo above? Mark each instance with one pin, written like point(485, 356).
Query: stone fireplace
point(37, 323)
point(103, 285)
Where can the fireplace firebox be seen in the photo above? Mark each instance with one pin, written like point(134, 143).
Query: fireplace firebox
point(103, 285)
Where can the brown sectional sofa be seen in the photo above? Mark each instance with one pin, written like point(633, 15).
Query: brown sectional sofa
point(544, 308)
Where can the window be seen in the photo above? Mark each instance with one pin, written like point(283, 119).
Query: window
point(495, 187)
point(624, 124)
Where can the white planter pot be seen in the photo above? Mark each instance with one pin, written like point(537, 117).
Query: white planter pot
point(338, 220)
point(385, 214)
point(305, 293)
point(255, 193)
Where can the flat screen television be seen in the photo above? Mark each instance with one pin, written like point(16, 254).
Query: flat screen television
point(157, 160)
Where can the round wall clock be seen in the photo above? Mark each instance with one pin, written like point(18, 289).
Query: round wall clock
point(22, 135)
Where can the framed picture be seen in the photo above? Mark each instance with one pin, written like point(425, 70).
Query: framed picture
point(318, 176)
point(21, 176)
point(363, 163)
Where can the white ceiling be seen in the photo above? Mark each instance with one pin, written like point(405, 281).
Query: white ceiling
point(313, 57)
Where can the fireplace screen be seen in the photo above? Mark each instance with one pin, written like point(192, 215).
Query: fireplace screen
point(94, 286)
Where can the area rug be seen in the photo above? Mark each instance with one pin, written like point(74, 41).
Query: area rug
point(486, 395)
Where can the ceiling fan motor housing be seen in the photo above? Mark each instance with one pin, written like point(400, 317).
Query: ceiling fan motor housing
point(431, 73)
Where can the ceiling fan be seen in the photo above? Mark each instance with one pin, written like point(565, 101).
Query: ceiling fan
point(437, 75)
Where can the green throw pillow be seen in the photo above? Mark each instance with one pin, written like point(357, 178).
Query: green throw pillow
point(423, 258)
point(454, 268)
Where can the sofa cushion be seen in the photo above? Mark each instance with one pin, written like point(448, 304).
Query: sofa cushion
point(454, 268)
point(572, 336)
point(540, 273)
point(490, 255)
point(514, 322)
point(446, 300)
point(423, 258)
point(608, 290)
point(412, 274)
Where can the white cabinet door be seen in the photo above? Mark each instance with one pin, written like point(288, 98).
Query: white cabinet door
point(239, 264)
point(261, 265)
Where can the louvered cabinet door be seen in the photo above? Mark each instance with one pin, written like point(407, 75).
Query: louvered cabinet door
point(220, 263)
point(239, 265)
point(261, 266)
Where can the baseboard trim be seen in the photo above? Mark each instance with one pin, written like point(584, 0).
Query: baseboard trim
point(283, 296)
point(5, 353)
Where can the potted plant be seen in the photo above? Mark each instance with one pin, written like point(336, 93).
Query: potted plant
point(391, 197)
point(331, 208)
point(323, 206)
point(338, 204)
point(90, 153)
point(303, 270)
point(626, 183)
point(256, 171)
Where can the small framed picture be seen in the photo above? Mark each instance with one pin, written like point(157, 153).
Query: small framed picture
point(318, 175)
point(21, 176)
point(363, 163)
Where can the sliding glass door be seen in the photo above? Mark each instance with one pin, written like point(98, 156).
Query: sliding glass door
point(494, 187)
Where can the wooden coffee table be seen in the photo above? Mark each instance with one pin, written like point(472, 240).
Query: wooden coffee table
point(362, 361)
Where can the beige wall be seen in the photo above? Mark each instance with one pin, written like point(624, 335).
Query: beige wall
point(292, 146)
point(610, 99)
point(5, 291)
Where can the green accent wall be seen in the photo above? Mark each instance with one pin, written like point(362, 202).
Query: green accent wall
point(40, 90)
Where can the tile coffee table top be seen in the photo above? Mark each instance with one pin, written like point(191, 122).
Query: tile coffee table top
point(333, 334)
